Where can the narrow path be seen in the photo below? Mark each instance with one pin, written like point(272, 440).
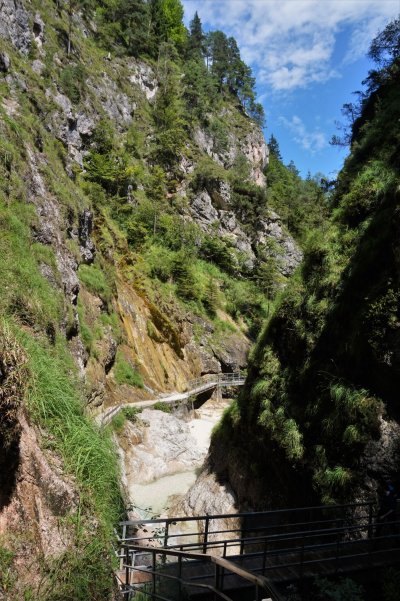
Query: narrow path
point(194, 388)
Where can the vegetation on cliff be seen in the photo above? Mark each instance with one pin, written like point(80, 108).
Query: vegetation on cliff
point(91, 196)
point(325, 371)
point(108, 134)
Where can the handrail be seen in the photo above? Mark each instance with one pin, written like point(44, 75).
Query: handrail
point(244, 514)
point(193, 388)
point(270, 553)
point(254, 579)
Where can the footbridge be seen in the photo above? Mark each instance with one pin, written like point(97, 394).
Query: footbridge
point(194, 388)
point(262, 556)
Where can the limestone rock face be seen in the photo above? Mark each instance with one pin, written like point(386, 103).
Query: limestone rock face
point(212, 207)
point(143, 76)
point(118, 105)
point(165, 447)
point(51, 226)
point(285, 249)
point(208, 496)
point(231, 352)
point(252, 146)
point(205, 209)
point(14, 24)
point(256, 151)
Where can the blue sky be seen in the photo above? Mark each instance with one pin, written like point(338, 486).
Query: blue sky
point(308, 57)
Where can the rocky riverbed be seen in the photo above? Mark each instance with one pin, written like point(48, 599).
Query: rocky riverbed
point(161, 455)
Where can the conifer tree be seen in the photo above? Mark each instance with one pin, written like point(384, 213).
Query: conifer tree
point(219, 54)
point(168, 108)
point(167, 22)
point(125, 24)
point(196, 37)
point(273, 146)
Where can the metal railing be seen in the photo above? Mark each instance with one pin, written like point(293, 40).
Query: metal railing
point(300, 542)
point(173, 575)
point(211, 380)
point(193, 388)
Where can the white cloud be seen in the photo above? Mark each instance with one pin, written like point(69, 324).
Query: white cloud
point(291, 43)
point(312, 141)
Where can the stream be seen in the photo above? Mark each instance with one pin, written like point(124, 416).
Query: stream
point(167, 459)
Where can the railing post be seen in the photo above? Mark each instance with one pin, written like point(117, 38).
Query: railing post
point(264, 557)
point(216, 579)
point(205, 535)
point(370, 521)
point(242, 541)
point(127, 570)
point(337, 553)
point(166, 534)
point(153, 575)
point(302, 562)
point(180, 577)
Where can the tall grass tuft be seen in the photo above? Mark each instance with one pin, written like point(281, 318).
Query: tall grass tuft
point(88, 452)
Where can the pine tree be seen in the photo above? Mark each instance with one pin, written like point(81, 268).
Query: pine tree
point(125, 24)
point(219, 56)
point(168, 108)
point(196, 37)
point(273, 146)
point(167, 22)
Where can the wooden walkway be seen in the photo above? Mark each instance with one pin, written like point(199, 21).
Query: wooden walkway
point(194, 389)
point(252, 556)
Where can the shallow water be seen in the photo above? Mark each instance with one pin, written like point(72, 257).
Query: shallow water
point(152, 498)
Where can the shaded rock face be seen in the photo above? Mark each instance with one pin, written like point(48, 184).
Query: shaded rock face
point(5, 62)
point(87, 247)
point(381, 457)
point(41, 497)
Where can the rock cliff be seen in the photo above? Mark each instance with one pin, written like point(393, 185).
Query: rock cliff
point(83, 196)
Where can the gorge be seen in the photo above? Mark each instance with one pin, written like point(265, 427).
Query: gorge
point(149, 237)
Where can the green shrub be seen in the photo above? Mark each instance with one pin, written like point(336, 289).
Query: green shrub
point(124, 373)
point(161, 406)
point(24, 291)
point(131, 413)
point(391, 584)
point(86, 333)
point(96, 281)
point(88, 453)
point(344, 589)
point(6, 572)
point(208, 174)
point(72, 80)
point(118, 421)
